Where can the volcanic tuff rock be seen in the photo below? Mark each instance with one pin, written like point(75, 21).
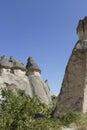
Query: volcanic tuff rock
point(39, 86)
point(73, 93)
point(14, 75)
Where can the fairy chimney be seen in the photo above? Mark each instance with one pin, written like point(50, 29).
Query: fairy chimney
point(14, 75)
point(40, 87)
point(73, 93)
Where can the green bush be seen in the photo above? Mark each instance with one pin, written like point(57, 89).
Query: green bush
point(82, 121)
point(68, 118)
point(17, 112)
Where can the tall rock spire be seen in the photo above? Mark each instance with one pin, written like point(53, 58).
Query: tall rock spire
point(40, 88)
point(73, 93)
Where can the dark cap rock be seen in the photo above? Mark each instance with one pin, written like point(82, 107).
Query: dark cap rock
point(11, 64)
point(32, 65)
point(19, 65)
point(82, 29)
point(16, 64)
point(4, 63)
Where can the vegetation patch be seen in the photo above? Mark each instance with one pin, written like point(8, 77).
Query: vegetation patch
point(20, 112)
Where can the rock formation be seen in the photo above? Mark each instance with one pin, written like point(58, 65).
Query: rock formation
point(39, 86)
point(73, 93)
point(14, 75)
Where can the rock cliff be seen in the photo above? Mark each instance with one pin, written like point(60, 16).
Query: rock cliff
point(73, 93)
point(14, 75)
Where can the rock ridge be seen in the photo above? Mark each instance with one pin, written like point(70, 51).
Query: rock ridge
point(14, 75)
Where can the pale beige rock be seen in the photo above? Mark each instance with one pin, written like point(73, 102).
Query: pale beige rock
point(14, 75)
point(18, 78)
point(39, 87)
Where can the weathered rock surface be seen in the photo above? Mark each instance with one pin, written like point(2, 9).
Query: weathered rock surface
point(14, 75)
point(32, 66)
point(39, 87)
point(73, 93)
point(16, 80)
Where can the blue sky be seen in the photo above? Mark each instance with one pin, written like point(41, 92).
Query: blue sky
point(43, 29)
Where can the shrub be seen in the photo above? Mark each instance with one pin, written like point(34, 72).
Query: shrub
point(68, 118)
point(17, 112)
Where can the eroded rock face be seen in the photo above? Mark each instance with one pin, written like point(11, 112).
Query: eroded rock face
point(40, 88)
point(73, 93)
point(14, 75)
point(15, 80)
